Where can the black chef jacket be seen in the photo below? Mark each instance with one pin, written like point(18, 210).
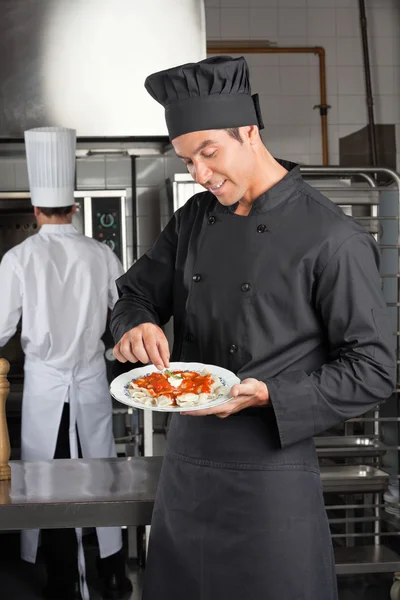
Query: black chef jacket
point(289, 294)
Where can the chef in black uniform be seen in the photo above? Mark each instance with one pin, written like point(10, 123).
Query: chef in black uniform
point(266, 277)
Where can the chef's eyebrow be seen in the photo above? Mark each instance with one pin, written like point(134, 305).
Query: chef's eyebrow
point(199, 149)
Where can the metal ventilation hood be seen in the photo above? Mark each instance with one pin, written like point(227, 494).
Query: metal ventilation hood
point(82, 63)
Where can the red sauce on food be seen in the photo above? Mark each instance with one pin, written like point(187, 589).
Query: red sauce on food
point(193, 382)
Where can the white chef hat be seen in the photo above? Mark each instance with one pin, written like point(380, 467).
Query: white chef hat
point(50, 153)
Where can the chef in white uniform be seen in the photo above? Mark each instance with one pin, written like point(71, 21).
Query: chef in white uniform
point(63, 284)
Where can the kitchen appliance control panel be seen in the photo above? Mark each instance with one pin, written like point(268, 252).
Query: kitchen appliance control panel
point(106, 223)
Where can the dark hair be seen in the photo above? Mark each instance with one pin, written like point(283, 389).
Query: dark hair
point(55, 211)
point(235, 133)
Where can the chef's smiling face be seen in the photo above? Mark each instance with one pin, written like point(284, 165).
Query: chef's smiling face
point(219, 162)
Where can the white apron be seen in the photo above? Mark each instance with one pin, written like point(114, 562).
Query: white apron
point(63, 284)
point(45, 391)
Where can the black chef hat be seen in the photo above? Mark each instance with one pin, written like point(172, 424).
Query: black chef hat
point(211, 94)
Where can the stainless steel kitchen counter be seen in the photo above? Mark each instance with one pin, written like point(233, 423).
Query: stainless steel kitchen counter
point(79, 493)
point(116, 491)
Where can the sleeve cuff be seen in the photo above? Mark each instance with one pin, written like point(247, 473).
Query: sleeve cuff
point(292, 400)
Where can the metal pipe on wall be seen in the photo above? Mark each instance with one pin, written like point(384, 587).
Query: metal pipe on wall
point(263, 47)
point(368, 85)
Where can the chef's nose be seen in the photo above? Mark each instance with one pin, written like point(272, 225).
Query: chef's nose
point(203, 173)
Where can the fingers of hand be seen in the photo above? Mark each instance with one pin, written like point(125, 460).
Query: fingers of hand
point(118, 354)
point(222, 411)
point(163, 349)
point(145, 343)
point(156, 346)
point(132, 347)
point(248, 387)
point(123, 350)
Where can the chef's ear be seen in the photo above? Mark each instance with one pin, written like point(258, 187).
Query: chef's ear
point(253, 134)
point(74, 209)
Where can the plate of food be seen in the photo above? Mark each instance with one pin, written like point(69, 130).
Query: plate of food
point(182, 387)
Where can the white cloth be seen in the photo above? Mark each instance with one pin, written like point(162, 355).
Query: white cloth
point(50, 154)
point(63, 283)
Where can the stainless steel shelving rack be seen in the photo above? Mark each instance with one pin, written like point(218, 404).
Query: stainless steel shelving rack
point(363, 456)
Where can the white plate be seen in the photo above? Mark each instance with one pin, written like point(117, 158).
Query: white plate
point(119, 387)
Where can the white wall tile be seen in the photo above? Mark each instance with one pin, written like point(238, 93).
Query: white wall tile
point(349, 52)
point(270, 110)
point(299, 159)
point(265, 80)
point(352, 110)
point(235, 23)
point(316, 159)
point(387, 109)
point(382, 80)
point(331, 81)
point(321, 3)
point(381, 50)
point(213, 23)
point(292, 22)
point(235, 3)
point(288, 90)
point(350, 80)
point(293, 3)
point(396, 50)
point(315, 137)
point(396, 81)
point(292, 59)
point(314, 82)
point(298, 110)
point(333, 112)
point(295, 139)
point(381, 22)
point(347, 4)
point(347, 22)
point(382, 3)
point(322, 22)
point(264, 23)
point(272, 137)
point(294, 81)
point(264, 3)
point(262, 59)
point(333, 139)
point(7, 174)
point(329, 44)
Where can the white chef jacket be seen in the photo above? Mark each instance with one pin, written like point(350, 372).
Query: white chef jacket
point(63, 283)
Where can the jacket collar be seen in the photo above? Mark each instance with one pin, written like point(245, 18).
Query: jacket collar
point(60, 229)
point(280, 192)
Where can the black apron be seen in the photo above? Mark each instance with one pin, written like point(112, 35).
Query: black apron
point(236, 516)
